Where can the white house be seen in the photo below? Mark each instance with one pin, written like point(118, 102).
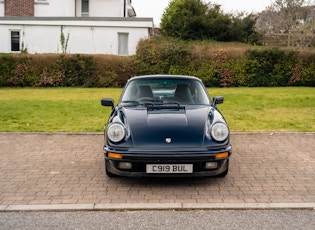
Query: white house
point(71, 26)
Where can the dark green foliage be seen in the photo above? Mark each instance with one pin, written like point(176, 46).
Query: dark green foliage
point(304, 71)
point(114, 71)
point(17, 71)
point(7, 64)
point(77, 70)
point(158, 56)
point(216, 66)
point(258, 67)
point(209, 74)
point(243, 29)
point(69, 70)
point(185, 19)
point(195, 20)
point(48, 70)
point(308, 72)
point(270, 67)
point(218, 25)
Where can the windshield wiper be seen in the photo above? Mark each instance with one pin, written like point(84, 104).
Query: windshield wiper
point(145, 102)
point(171, 103)
point(149, 101)
point(131, 103)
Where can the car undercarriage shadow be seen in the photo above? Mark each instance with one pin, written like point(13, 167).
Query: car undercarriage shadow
point(171, 181)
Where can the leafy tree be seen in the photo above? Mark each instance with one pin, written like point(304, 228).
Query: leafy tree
point(195, 20)
point(218, 24)
point(243, 29)
point(184, 19)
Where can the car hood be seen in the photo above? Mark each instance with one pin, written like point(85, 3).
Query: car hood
point(166, 127)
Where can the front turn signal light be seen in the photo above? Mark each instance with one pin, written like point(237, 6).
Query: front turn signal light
point(221, 155)
point(115, 155)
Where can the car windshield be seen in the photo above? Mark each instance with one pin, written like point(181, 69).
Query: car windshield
point(165, 91)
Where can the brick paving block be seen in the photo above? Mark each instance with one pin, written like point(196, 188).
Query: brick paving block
point(214, 200)
point(186, 201)
point(63, 168)
point(69, 201)
point(231, 200)
point(34, 202)
point(201, 201)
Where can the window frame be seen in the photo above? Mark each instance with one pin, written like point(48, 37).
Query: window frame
point(123, 43)
point(85, 13)
point(12, 49)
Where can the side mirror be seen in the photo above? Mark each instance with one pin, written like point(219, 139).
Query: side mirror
point(107, 102)
point(218, 100)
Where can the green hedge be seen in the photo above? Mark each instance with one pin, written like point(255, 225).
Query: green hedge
point(42, 70)
point(217, 67)
point(269, 67)
point(224, 67)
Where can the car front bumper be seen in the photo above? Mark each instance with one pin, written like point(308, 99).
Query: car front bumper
point(139, 159)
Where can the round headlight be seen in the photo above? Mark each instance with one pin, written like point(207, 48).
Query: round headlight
point(219, 132)
point(116, 132)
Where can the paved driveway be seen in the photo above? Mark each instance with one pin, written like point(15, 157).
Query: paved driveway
point(41, 168)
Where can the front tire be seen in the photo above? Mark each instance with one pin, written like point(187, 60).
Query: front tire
point(109, 174)
point(226, 171)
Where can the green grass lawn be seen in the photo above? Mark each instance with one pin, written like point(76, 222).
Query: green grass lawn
point(79, 109)
point(269, 109)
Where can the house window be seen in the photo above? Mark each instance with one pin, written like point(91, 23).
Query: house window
point(15, 40)
point(123, 43)
point(85, 8)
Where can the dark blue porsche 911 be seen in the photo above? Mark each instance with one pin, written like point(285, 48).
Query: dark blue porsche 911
point(166, 125)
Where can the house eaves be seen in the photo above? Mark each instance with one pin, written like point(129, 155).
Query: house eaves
point(80, 21)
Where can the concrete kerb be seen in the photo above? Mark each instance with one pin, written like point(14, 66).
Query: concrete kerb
point(155, 207)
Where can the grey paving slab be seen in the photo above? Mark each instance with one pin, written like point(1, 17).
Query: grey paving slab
point(234, 206)
point(68, 169)
point(156, 206)
point(139, 206)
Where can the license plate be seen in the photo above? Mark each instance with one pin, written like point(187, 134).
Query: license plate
point(169, 168)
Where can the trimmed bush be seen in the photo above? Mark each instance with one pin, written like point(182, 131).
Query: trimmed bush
point(7, 64)
point(51, 70)
point(114, 71)
point(217, 65)
point(271, 67)
point(308, 71)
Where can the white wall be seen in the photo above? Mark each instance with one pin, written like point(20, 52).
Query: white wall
point(1, 8)
point(98, 40)
point(91, 38)
point(107, 8)
point(62, 8)
point(72, 8)
point(54, 8)
point(5, 38)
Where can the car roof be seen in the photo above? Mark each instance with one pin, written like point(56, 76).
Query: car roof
point(169, 76)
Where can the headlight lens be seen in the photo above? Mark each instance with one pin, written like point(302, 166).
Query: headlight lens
point(219, 132)
point(116, 132)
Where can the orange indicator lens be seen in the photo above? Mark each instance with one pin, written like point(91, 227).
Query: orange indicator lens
point(114, 155)
point(221, 155)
